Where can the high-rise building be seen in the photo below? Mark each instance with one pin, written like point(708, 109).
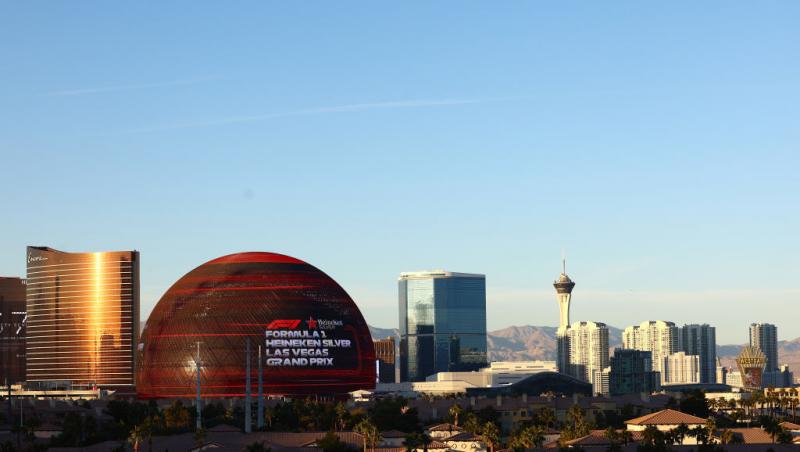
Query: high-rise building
point(632, 373)
point(442, 323)
point(83, 318)
point(385, 355)
point(659, 337)
point(13, 318)
point(588, 349)
point(680, 368)
point(563, 286)
point(600, 382)
point(701, 340)
point(764, 336)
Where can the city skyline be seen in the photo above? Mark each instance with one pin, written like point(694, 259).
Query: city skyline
point(655, 143)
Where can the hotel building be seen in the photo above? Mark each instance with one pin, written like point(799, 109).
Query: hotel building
point(83, 318)
point(442, 323)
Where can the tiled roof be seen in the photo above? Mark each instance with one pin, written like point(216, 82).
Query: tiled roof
point(290, 439)
point(752, 435)
point(224, 428)
point(790, 426)
point(463, 436)
point(598, 438)
point(394, 434)
point(666, 417)
point(437, 445)
point(444, 428)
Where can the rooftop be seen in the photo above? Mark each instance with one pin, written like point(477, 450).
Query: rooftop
point(666, 417)
point(427, 274)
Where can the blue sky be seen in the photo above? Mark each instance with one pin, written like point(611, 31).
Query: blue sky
point(656, 143)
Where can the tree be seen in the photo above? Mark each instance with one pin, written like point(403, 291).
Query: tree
point(576, 426)
point(681, 432)
point(369, 432)
point(471, 423)
point(332, 443)
point(695, 403)
point(341, 415)
point(527, 437)
point(135, 438)
point(490, 434)
point(547, 417)
point(654, 438)
point(257, 446)
point(177, 416)
point(454, 412)
point(772, 427)
point(614, 438)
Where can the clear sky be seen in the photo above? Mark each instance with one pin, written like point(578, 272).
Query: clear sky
point(657, 143)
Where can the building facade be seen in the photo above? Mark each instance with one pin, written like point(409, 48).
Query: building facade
point(680, 368)
point(385, 357)
point(588, 349)
point(83, 317)
point(442, 323)
point(13, 319)
point(314, 340)
point(701, 340)
point(659, 337)
point(632, 373)
point(764, 336)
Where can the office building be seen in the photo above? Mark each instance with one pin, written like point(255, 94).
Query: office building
point(701, 340)
point(632, 373)
point(588, 349)
point(385, 357)
point(659, 337)
point(764, 336)
point(13, 318)
point(563, 286)
point(442, 323)
point(83, 317)
point(680, 368)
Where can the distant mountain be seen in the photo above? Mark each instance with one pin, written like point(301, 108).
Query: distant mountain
point(528, 342)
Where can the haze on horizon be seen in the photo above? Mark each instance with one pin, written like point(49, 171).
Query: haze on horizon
point(656, 143)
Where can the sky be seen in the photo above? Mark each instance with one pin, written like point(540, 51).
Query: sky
point(655, 144)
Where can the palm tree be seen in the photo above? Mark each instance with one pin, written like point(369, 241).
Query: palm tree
point(341, 412)
point(547, 417)
point(626, 436)
point(135, 437)
point(455, 410)
point(412, 442)
point(726, 436)
point(680, 432)
point(369, 432)
point(490, 434)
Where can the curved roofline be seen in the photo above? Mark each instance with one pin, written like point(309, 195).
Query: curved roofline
point(254, 257)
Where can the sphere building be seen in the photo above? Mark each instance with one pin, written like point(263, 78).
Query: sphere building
point(313, 338)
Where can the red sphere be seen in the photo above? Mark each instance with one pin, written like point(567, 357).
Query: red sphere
point(313, 338)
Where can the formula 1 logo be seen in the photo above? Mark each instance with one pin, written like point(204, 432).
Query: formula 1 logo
point(283, 324)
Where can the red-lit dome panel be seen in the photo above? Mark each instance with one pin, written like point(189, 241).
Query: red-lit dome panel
point(313, 338)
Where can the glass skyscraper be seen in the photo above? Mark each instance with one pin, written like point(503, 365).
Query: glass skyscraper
point(83, 318)
point(442, 323)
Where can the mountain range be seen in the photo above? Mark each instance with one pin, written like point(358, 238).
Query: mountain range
point(528, 342)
